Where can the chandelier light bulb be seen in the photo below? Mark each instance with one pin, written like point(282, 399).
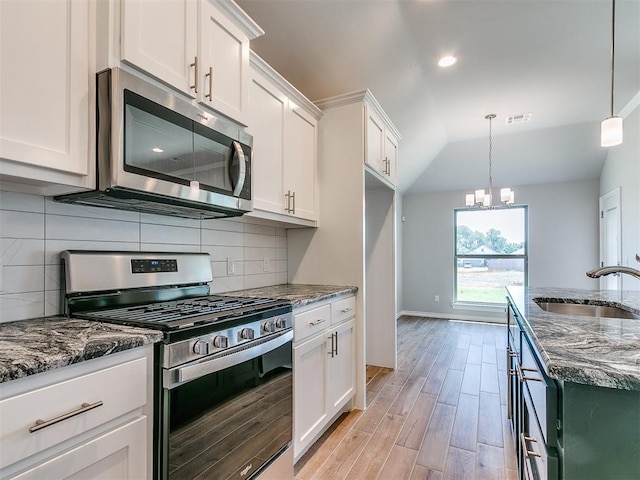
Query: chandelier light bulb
point(470, 200)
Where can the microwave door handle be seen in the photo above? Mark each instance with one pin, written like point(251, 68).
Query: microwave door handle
point(243, 169)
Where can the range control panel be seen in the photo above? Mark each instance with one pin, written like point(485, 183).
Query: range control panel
point(153, 265)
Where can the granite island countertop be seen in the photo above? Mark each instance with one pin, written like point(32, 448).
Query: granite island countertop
point(28, 347)
point(299, 295)
point(598, 351)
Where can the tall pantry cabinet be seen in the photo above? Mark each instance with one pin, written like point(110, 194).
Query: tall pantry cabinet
point(356, 243)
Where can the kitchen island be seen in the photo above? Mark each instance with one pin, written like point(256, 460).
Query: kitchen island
point(574, 385)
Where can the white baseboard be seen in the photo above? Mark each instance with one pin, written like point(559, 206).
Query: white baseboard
point(448, 316)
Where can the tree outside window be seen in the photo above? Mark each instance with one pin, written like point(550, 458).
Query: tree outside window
point(490, 253)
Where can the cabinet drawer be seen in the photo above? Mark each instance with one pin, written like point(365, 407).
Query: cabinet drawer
point(113, 391)
point(542, 391)
point(539, 460)
point(310, 322)
point(343, 309)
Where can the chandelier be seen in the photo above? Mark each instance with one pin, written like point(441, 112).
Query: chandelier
point(611, 128)
point(482, 199)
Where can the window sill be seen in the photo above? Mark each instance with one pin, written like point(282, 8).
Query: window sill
point(480, 307)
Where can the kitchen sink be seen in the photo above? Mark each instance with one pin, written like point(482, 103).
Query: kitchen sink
point(584, 310)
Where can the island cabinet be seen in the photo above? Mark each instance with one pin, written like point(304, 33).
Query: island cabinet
point(199, 47)
point(93, 419)
point(284, 125)
point(46, 95)
point(324, 367)
point(567, 430)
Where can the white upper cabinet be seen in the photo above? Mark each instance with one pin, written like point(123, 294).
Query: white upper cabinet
point(382, 138)
point(46, 93)
point(283, 124)
point(199, 47)
point(160, 38)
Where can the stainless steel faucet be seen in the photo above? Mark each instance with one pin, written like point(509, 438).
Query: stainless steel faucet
point(602, 271)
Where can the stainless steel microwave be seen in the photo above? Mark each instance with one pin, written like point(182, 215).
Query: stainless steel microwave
point(159, 153)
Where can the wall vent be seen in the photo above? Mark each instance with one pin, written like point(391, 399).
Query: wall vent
point(521, 118)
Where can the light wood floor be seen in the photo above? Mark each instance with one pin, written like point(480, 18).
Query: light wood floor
point(440, 415)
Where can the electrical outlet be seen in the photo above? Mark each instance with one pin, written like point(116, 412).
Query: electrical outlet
point(231, 266)
point(266, 264)
point(436, 298)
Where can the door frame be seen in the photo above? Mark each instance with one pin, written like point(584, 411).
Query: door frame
point(612, 198)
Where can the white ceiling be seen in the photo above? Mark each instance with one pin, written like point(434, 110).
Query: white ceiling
point(547, 57)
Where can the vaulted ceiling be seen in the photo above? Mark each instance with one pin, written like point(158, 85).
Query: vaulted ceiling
point(549, 58)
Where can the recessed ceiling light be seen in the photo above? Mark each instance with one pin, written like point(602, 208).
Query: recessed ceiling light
point(157, 150)
point(447, 61)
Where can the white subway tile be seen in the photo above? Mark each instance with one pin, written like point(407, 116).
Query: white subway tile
point(21, 306)
point(150, 233)
point(23, 279)
point(22, 202)
point(63, 227)
point(281, 277)
point(84, 211)
point(54, 247)
point(21, 251)
point(15, 224)
point(260, 229)
point(167, 220)
point(220, 269)
point(225, 224)
point(280, 266)
point(221, 253)
point(169, 247)
point(52, 279)
point(257, 240)
point(281, 232)
point(219, 237)
point(255, 281)
point(227, 284)
point(52, 304)
point(257, 253)
point(281, 242)
point(281, 253)
point(253, 267)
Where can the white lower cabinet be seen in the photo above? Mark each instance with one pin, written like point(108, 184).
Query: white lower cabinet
point(91, 420)
point(324, 369)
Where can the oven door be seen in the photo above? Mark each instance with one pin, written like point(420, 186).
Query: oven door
point(228, 417)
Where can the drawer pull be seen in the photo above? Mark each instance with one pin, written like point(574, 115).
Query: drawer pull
point(522, 376)
point(528, 453)
point(346, 310)
point(318, 321)
point(40, 424)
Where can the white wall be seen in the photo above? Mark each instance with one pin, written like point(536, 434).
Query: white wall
point(622, 169)
point(35, 229)
point(563, 243)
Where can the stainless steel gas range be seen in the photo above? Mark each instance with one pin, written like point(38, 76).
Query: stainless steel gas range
point(223, 372)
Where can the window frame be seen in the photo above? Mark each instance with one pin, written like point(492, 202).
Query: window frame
point(461, 304)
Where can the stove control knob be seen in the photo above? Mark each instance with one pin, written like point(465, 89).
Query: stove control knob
point(281, 323)
point(268, 327)
point(220, 341)
point(246, 334)
point(201, 348)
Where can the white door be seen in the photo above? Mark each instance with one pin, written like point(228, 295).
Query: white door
point(610, 238)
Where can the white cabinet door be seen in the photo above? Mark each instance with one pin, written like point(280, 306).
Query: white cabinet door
point(267, 106)
point(160, 37)
point(310, 391)
point(391, 157)
point(374, 133)
point(342, 366)
point(223, 55)
point(300, 163)
point(120, 453)
point(45, 85)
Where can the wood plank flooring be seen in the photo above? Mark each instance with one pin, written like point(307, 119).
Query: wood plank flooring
point(440, 415)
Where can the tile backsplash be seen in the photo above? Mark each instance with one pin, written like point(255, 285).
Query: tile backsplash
point(35, 229)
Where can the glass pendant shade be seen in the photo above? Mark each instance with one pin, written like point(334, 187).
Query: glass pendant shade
point(611, 132)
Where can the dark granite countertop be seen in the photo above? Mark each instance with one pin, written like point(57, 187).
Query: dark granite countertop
point(596, 351)
point(298, 295)
point(38, 345)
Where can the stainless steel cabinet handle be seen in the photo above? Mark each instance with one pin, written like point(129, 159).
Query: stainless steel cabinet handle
point(528, 453)
point(293, 209)
point(210, 75)
point(287, 196)
point(524, 378)
point(333, 347)
point(336, 343)
point(194, 87)
point(346, 310)
point(318, 321)
point(85, 407)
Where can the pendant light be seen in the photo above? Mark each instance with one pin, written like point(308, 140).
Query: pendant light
point(482, 199)
point(611, 128)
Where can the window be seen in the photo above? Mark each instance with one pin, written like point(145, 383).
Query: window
point(490, 254)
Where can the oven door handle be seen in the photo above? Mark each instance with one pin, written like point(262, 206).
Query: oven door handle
point(180, 375)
